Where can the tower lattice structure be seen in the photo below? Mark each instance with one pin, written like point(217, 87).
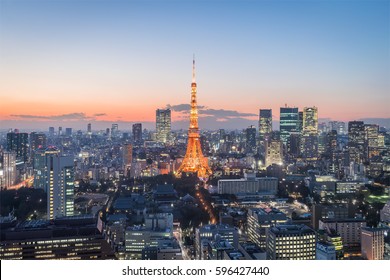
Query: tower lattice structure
point(194, 161)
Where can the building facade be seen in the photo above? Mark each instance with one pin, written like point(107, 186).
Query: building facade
point(373, 245)
point(250, 184)
point(163, 125)
point(291, 242)
point(289, 122)
point(54, 174)
point(265, 123)
point(18, 143)
point(137, 133)
point(259, 220)
point(9, 169)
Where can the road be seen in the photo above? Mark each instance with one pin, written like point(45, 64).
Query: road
point(206, 206)
point(26, 183)
point(184, 251)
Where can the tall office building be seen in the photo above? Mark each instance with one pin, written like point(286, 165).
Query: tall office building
point(137, 133)
point(68, 131)
point(55, 174)
point(265, 123)
point(37, 140)
point(163, 125)
point(309, 138)
point(291, 242)
point(250, 137)
point(371, 140)
point(356, 141)
point(331, 143)
point(9, 169)
point(60, 131)
point(89, 129)
point(289, 122)
point(373, 244)
point(127, 157)
point(18, 142)
point(310, 121)
point(273, 152)
point(51, 131)
point(309, 147)
point(372, 131)
point(300, 122)
point(294, 144)
point(114, 130)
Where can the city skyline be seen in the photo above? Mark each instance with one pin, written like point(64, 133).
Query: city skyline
point(111, 65)
point(108, 150)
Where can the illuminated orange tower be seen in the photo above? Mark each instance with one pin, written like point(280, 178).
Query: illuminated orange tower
point(194, 161)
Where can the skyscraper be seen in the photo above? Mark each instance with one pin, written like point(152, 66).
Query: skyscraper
point(55, 174)
point(127, 156)
point(37, 140)
point(331, 143)
point(89, 129)
point(114, 130)
point(289, 122)
point(300, 122)
point(9, 169)
point(51, 131)
point(137, 133)
point(309, 139)
point(18, 142)
point(273, 152)
point(310, 121)
point(265, 123)
point(371, 140)
point(68, 131)
point(250, 137)
point(163, 125)
point(194, 161)
point(356, 141)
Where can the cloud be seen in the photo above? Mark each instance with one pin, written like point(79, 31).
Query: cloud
point(182, 107)
point(100, 114)
point(220, 114)
point(63, 117)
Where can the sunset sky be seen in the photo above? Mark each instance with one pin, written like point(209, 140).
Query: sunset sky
point(74, 62)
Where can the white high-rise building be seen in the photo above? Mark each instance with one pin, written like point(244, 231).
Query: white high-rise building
point(55, 174)
point(9, 169)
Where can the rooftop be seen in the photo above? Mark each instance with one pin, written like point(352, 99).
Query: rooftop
point(291, 229)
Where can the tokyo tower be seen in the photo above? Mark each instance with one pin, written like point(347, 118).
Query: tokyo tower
point(194, 161)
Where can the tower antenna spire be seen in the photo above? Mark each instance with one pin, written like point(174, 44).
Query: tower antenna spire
point(193, 68)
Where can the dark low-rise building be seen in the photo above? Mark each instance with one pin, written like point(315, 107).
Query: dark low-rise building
point(75, 238)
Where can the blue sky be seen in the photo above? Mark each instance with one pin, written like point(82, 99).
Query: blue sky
point(125, 59)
